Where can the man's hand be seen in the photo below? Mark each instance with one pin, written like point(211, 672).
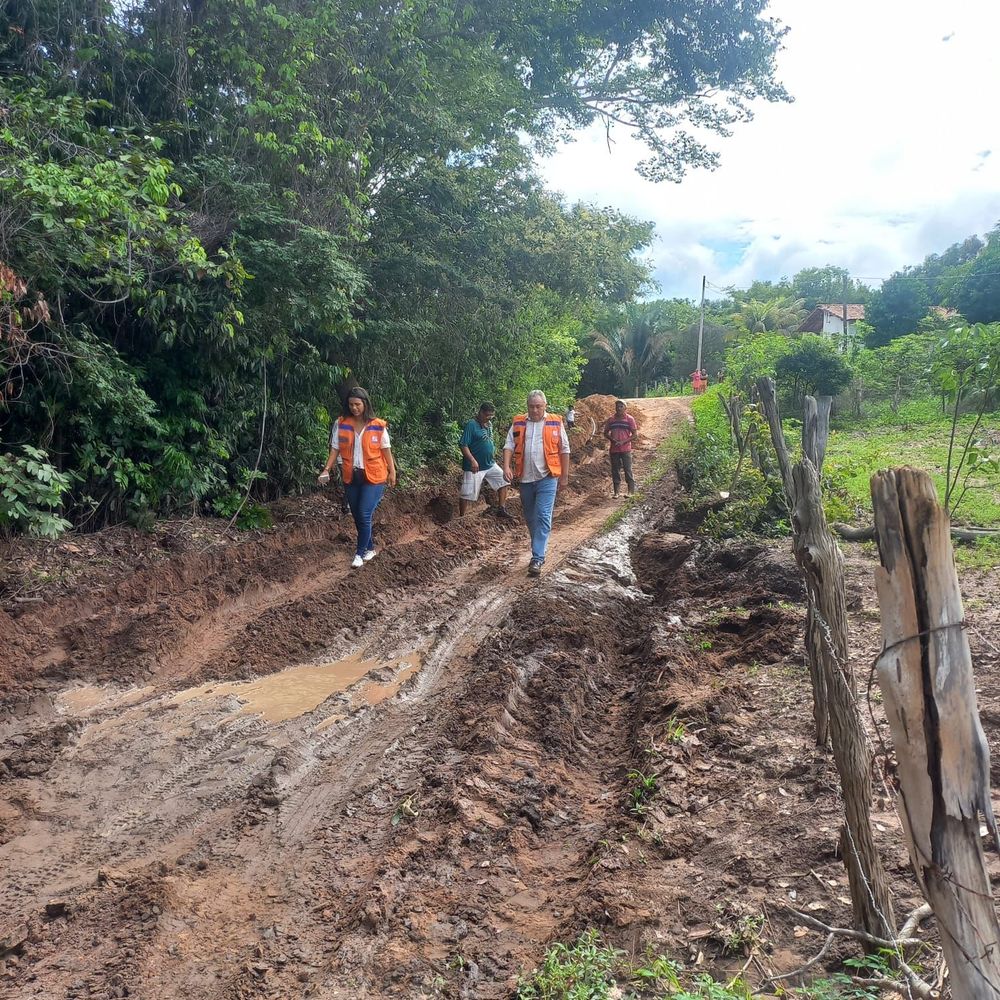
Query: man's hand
point(473, 465)
point(507, 474)
point(323, 478)
point(392, 478)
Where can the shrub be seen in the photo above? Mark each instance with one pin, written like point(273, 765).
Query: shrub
point(31, 489)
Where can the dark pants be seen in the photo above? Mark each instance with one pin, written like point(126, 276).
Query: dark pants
point(622, 462)
point(363, 497)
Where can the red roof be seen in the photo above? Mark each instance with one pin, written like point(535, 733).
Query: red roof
point(837, 309)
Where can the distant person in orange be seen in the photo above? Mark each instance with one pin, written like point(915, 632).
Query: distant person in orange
point(362, 442)
point(621, 431)
point(697, 382)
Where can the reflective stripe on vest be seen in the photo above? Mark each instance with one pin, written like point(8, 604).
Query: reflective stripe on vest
point(551, 443)
point(376, 469)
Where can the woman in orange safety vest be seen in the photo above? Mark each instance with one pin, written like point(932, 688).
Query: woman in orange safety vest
point(361, 442)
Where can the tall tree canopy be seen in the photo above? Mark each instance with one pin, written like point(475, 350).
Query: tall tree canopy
point(210, 209)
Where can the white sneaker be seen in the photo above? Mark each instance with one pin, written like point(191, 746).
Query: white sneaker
point(369, 555)
point(357, 563)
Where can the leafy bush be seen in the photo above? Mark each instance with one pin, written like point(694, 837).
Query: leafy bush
point(812, 367)
point(756, 356)
point(706, 468)
point(30, 491)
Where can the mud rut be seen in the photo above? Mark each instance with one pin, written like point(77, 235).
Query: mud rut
point(421, 816)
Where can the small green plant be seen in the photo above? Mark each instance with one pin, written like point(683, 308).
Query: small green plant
point(675, 730)
point(705, 644)
point(249, 517)
point(839, 986)
point(31, 489)
point(642, 788)
point(582, 971)
point(592, 970)
point(743, 935)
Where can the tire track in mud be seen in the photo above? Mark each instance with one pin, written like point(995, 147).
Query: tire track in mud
point(492, 696)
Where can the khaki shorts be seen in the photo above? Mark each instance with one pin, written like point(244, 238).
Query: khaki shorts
point(472, 482)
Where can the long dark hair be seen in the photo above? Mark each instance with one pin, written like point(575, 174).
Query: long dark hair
point(358, 393)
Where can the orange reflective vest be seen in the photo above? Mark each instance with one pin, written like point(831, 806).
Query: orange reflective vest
point(376, 469)
point(551, 443)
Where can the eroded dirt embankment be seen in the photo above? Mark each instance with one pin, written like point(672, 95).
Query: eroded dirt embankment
point(438, 769)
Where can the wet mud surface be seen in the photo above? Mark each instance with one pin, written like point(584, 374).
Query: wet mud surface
point(239, 771)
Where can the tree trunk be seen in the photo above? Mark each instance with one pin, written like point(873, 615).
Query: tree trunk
point(925, 673)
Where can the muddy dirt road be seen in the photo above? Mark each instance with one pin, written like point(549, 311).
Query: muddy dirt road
point(418, 769)
point(233, 769)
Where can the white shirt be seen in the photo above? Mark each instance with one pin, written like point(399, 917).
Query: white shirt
point(535, 467)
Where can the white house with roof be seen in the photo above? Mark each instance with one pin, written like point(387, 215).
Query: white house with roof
point(827, 320)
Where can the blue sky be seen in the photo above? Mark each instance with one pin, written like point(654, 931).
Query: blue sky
point(890, 151)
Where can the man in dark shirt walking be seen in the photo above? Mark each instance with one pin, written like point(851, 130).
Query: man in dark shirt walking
point(478, 463)
point(621, 431)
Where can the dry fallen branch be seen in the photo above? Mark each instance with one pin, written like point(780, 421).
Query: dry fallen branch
point(850, 533)
point(916, 985)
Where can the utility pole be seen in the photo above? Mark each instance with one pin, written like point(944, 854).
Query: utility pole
point(845, 342)
point(701, 323)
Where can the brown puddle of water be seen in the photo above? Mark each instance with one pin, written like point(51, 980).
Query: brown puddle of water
point(298, 690)
point(375, 692)
point(82, 700)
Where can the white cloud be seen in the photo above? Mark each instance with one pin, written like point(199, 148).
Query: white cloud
point(884, 157)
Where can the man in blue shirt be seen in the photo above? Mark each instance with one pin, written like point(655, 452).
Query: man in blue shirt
point(478, 463)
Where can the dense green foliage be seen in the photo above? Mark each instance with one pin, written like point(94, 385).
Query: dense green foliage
point(210, 210)
point(965, 278)
point(813, 366)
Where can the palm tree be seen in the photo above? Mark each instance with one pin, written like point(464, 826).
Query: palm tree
point(637, 346)
point(782, 314)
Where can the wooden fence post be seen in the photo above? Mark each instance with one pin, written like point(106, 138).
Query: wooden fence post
point(769, 404)
point(822, 565)
point(816, 428)
point(925, 673)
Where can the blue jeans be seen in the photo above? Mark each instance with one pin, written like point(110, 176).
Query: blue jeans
point(537, 500)
point(363, 497)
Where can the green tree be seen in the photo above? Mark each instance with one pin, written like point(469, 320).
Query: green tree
point(897, 307)
point(781, 313)
point(812, 367)
point(966, 368)
point(975, 291)
point(816, 285)
point(637, 346)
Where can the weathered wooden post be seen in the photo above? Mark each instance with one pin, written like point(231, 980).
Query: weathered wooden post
point(835, 707)
point(810, 445)
point(925, 673)
point(822, 565)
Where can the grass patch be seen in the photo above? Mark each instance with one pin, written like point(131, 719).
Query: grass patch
point(854, 456)
point(590, 969)
point(983, 554)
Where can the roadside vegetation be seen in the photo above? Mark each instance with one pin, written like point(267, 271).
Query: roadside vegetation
point(930, 400)
point(214, 214)
point(590, 969)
